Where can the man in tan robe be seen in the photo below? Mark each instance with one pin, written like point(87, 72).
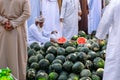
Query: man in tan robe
point(83, 23)
point(13, 46)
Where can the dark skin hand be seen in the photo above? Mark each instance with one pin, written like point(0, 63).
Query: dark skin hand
point(8, 26)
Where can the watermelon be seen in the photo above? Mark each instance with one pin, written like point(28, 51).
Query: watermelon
point(57, 61)
point(89, 65)
point(98, 62)
point(31, 73)
point(95, 46)
point(44, 64)
point(48, 44)
point(33, 59)
point(67, 66)
point(33, 45)
point(81, 40)
point(41, 76)
point(35, 65)
point(85, 73)
point(83, 49)
point(62, 77)
point(53, 76)
point(99, 72)
point(78, 67)
point(81, 34)
point(70, 49)
point(74, 37)
point(95, 77)
point(57, 67)
point(60, 51)
point(50, 57)
point(67, 43)
point(52, 49)
point(72, 57)
point(61, 40)
point(39, 56)
point(92, 55)
point(85, 78)
point(37, 47)
point(41, 52)
point(61, 57)
point(31, 52)
point(81, 56)
point(73, 76)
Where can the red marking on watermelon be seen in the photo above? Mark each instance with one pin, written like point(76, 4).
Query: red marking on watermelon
point(81, 40)
point(61, 40)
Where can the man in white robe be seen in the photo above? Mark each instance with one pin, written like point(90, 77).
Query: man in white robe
point(35, 11)
point(112, 62)
point(37, 34)
point(69, 17)
point(95, 8)
point(50, 12)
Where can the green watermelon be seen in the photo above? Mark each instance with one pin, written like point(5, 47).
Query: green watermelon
point(52, 49)
point(44, 64)
point(72, 57)
point(81, 34)
point(33, 59)
point(35, 65)
point(78, 67)
point(85, 73)
point(70, 49)
point(67, 66)
point(95, 77)
point(41, 76)
point(31, 73)
point(60, 51)
point(98, 62)
point(85, 78)
point(53, 76)
point(57, 67)
point(50, 57)
point(74, 37)
point(61, 57)
point(99, 72)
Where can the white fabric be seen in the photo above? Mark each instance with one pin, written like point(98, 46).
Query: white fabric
point(51, 14)
point(37, 35)
point(35, 11)
point(95, 8)
point(112, 63)
point(69, 12)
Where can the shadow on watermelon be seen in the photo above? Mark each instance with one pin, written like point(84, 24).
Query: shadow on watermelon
point(61, 40)
point(81, 40)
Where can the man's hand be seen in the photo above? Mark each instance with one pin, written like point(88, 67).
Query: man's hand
point(53, 40)
point(80, 13)
point(61, 19)
point(8, 26)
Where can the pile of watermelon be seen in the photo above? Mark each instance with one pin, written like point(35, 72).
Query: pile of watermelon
point(81, 58)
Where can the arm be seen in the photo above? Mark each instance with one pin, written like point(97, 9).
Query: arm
point(105, 22)
point(25, 15)
point(3, 20)
point(38, 35)
point(59, 4)
point(79, 9)
point(63, 8)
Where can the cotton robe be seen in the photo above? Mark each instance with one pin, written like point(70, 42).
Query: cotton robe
point(112, 62)
point(13, 44)
point(95, 8)
point(69, 12)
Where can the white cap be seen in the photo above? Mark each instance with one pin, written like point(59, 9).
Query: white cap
point(39, 19)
